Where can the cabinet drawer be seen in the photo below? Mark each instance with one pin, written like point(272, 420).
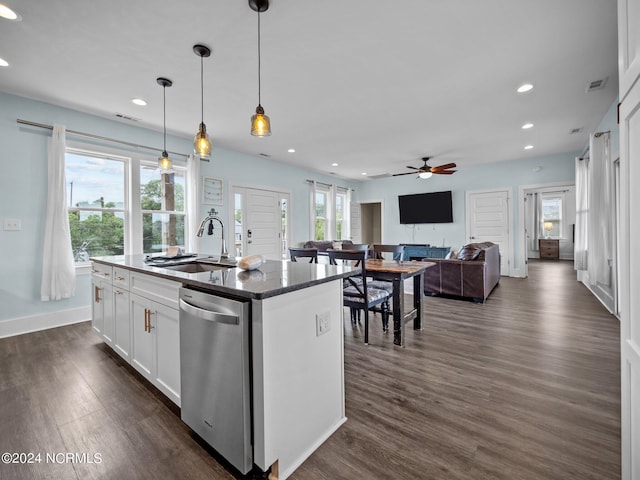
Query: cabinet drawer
point(121, 278)
point(99, 270)
point(155, 288)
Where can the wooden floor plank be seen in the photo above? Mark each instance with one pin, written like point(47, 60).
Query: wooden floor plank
point(525, 386)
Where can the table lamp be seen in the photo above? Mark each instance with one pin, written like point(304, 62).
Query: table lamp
point(548, 226)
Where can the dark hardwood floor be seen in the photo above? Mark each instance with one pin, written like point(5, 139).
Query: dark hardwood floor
point(525, 386)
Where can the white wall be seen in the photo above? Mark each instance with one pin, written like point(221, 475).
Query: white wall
point(552, 169)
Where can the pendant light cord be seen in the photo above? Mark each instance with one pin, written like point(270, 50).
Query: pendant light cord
point(164, 117)
point(201, 89)
point(259, 86)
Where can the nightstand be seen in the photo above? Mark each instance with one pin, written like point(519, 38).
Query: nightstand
point(549, 248)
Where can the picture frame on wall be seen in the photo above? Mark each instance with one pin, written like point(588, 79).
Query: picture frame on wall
point(212, 191)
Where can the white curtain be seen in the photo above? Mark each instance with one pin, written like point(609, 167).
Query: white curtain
point(581, 246)
point(58, 268)
point(193, 203)
point(600, 213)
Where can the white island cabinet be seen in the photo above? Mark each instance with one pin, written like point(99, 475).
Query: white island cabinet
point(296, 339)
point(155, 332)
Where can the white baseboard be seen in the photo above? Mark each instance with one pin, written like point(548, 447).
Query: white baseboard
point(19, 326)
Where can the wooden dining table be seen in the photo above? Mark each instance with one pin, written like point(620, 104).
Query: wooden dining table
point(397, 272)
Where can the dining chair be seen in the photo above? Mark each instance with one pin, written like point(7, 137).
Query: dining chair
point(357, 295)
point(396, 250)
point(310, 253)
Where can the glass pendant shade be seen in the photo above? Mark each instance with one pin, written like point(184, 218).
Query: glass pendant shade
point(164, 162)
point(260, 123)
point(425, 175)
point(201, 142)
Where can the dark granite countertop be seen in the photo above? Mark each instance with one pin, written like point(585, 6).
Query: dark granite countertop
point(271, 279)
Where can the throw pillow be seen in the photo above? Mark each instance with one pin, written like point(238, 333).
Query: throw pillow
point(469, 252)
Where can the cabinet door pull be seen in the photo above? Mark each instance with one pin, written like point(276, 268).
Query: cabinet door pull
point(146, 320)
point(96, 294)
point(151, 326)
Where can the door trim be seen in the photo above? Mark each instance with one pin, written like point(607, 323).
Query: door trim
point(523, 266)
point(511, 270)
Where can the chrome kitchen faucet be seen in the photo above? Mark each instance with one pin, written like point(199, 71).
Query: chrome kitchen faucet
point(213, 215)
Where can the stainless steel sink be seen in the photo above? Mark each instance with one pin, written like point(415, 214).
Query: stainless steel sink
point(195, 267)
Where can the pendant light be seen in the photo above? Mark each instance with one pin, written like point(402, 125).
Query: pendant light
point(164, 162)
point(201, 142)
point(260, 123)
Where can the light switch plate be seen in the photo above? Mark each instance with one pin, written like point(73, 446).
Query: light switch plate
point(323, 324)
point(12, 224)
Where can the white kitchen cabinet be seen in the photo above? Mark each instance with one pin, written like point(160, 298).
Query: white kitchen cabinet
point(121, 316)
point(155, 335)
point(102, 305)
point(122, 323)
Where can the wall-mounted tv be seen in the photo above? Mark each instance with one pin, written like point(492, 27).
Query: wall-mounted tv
point(432, 207)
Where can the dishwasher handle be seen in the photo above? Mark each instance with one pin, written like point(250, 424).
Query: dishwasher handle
point(209, 314)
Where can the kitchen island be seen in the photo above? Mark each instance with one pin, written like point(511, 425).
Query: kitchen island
point(295, 334)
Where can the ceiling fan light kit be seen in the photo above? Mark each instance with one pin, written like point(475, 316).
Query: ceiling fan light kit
point(425, 171)
point(260, 123)
point(201, 142)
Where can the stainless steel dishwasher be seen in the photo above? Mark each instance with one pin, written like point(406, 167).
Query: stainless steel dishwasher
point(214, 372)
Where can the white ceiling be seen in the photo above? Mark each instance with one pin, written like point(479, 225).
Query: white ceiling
point(371, 85)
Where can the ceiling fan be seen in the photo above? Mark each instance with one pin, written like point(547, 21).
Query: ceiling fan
point(426, 171)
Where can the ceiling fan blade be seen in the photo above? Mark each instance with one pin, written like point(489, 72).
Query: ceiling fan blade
point(399, 174)
point(443, 172)
point(415, 168)
point(444, 167)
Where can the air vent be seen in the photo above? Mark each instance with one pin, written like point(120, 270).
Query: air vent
point(126, 117)
point(264, 155)
point(596, 85)
point(382, 175)
point(575, 130)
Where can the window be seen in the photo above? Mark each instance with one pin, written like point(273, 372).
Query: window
point(162, 203)
point(330, 212)
point(102, 218)
point(96, 206)
point(552, 213)
point(342, 206)
point(321, 216)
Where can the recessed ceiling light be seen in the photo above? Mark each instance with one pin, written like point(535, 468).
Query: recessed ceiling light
point(527, 126)
point(6, 12)
point(139, 101)
point(292, 150)
point(363, 173)
point(3, 63)
point(528, 147)
point(525, 87)
point(334, 164)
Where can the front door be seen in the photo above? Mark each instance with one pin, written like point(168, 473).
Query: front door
point(488, 220)
point(260, 217)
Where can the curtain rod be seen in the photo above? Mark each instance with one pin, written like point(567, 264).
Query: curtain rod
point(97, 137)
point(586, 150)
point(328, 184)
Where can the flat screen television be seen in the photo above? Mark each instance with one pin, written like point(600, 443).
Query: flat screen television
point(432, 207)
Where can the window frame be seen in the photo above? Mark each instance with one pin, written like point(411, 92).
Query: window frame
point(133, 212)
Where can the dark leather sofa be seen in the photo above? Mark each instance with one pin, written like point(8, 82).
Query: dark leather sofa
point(323, 245)
point(473, 274)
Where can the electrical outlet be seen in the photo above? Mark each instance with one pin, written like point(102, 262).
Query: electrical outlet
point(12, 224)
point(323, 325)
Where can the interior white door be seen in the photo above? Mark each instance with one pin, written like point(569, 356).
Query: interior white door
point(263, 223)
point(488, 220)
point(356, 223)
point(629, 264)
